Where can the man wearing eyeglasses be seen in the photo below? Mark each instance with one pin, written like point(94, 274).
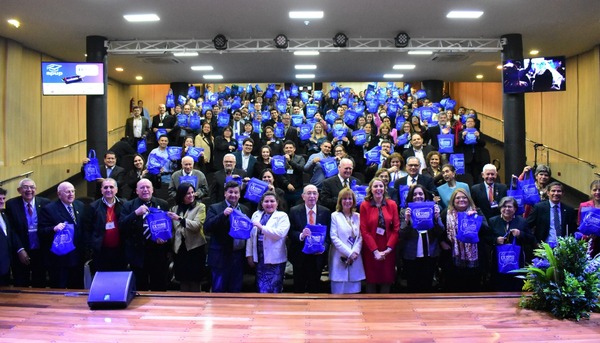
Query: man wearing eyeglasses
point(23, 213)
point(413, 167)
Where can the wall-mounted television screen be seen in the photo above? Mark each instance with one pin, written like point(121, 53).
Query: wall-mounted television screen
point(72, 78)
point(539, 74)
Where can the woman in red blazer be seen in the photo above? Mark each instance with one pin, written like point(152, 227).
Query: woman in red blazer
point(379, 226)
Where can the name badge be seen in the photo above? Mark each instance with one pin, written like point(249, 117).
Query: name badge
point(261, 237)
point(290, 171)
point(494, 204)
point(351, 241)
point(380, 231)
point(160, 124)
point(110, 225)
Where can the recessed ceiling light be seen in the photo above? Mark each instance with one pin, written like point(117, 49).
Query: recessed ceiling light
point(119, 69)
point(464, 14)
point(534, 52)
point(305, 66)
point(213, 77)
point(420, 52)
point(139, 78)
point(479, 76)
point(185, 54)
point(499, 66)
point(14, 22)
point(393, 76)
point(202, 68)
point(306, 14)
point(305, 76)
point(137, 18)
point(306, 53)
point(403, 66)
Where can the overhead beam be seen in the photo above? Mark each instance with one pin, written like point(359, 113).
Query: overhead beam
point(140, 47)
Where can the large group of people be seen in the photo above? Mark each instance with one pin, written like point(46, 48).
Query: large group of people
point(371, 194)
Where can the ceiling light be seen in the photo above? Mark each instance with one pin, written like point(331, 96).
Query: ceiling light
point(138, 18)
point(403, 66)
point(213, 77)
point(202, 68)
point(119, 69)
point(281, 41)
point(393, 76)
point(220, 42)
point(479, 76)
point(464, 14)
point(306, 14)
point(306, 53)
point(305, 66)
point(139, 78)
point(499, 66)
point(401, 40)
point(340, 40)
point(14, 22)
point(185, 54)
point(305, 76)
point(534, 52)
point(420, 52)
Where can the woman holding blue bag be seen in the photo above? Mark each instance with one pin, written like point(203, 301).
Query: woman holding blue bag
point(462, 262)
point(266, 249)
point(594, 202)
point(420, 246)
point(504, 230)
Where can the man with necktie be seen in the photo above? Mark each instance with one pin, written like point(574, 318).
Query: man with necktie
point(413, 166)
point(551, 218)
point(307, 268)
point(9, 244)
point(23, 213)
point(487, 195)
point(65, 271)
point(333, 185)
point(110, 169)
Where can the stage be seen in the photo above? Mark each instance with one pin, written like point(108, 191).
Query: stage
point(60, 316)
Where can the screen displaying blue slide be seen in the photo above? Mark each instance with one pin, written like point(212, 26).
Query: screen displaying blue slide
point(72, 78)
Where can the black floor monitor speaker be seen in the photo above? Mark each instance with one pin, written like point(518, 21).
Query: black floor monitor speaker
point(111, 290)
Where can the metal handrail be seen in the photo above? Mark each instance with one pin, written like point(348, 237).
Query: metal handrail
point(25, 174)
point(25, 160)
point(537, 145)
point(490, 117)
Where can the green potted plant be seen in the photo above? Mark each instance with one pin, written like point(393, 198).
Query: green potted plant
point(562, 280)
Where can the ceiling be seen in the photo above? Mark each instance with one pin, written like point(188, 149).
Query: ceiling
point(59, 29)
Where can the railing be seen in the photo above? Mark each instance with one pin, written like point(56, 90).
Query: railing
point(25, 160)
point(25, 174)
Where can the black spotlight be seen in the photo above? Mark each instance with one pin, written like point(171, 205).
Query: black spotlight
point(281, 41)
point(220, 42)
point(401, 40)
point(340, 40)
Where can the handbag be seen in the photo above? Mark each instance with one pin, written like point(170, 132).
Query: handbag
point(518, 195)
point(508, 257)
point(531, 195)
point(468, 227)
point(422, 214)
point(91, 169)
point(240, 226)
point(255, 188)
point(160, 224)
point(63, 240)
point(315, 243)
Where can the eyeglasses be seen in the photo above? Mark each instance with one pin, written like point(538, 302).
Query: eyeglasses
point(26, 187)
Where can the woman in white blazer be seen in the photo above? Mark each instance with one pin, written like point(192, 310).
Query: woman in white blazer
point(346, 269)
point(266, 248)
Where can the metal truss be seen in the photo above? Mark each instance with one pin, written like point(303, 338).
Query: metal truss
point(143, 47)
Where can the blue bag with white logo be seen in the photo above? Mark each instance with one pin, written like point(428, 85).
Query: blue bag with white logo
point(422, 214)
point(446, 143)
point(315, 243)
point(160, 225)
point(468, 227)
point(255, 188)
point(278, 164)
point(458, 161)
point(240, 226)
point(329, 166)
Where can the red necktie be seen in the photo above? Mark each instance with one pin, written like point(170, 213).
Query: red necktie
point(311, 217)
point(491, 194)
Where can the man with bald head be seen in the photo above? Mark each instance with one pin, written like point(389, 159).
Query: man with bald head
point(333, 185)
point(65, 271)
point(23, 214)
point(147, 258)
point(187, 173)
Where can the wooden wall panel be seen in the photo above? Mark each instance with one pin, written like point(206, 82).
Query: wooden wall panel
point(587, 103)
point(3, 83)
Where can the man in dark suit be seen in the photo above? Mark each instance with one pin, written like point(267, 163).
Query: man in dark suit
point(147, 259)
point(103, 236)
point(165, 121)
point(23, 213)
point(487, 195)
point(293, 180)
point(217, 187)
point(9, 244)
point(109, 169)
point(226, 256)
point(65, 271)
point(136, 127)
point(244, 159)
point(413, 165)
point(307, 268)
point(551, 218)
point(418, 150)
point(291, 133)
point(198, 179)
point(333, 185)
point(441, 128)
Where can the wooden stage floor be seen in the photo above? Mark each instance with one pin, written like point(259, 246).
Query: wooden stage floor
point(58, 316)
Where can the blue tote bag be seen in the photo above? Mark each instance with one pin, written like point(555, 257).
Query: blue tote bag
point(91, 169)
